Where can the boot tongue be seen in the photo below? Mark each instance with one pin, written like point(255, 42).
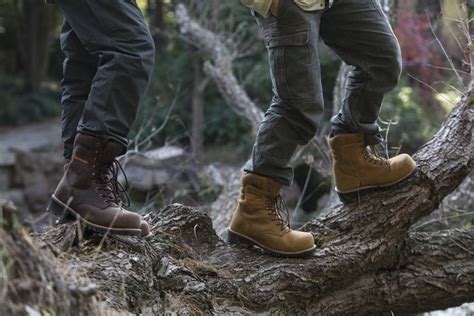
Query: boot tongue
point(111, 151)
point(272, 187)
point(111, 170)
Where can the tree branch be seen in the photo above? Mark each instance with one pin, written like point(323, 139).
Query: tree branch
point(220, 69)
point(436, 271)
point(189, 263)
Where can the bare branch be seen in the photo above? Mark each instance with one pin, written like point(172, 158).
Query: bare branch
point(220, 69)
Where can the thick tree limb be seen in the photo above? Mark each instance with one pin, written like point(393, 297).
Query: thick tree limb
point(187, 269)
point(436, 271)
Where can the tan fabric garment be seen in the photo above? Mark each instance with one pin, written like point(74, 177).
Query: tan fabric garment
point(310, 5)
point(262, 7)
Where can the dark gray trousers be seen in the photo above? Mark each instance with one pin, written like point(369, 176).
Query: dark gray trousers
point(356, 30)
point(109, 57)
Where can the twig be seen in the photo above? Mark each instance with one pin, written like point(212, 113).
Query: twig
point(445, 53)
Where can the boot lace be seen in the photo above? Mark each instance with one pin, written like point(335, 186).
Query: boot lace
point(276, 207)
point(373, 155)
point(111, 189)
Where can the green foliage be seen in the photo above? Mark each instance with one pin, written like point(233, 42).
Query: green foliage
point(18, 108)
point(410, 128)
point(173, 71)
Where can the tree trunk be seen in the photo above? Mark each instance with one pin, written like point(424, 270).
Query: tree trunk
point(220, 69)
point(156, 12)
point(36, 26)
point(199, 85)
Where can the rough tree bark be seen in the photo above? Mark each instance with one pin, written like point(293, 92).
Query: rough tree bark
point(366, 263)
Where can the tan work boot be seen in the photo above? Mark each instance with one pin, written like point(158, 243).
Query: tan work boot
point(357, 168)
point(90, 192)
point(257, 220)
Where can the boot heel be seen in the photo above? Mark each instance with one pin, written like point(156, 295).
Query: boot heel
point(59, 210)
point(235, 239)
point(348, 198)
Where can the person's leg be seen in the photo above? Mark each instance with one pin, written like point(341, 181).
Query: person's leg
point(359, 32)
point(115, 33)
point(297, 105)
point(292, 119)
point(79, 69)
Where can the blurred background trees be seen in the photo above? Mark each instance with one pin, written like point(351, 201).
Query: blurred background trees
point(31, 62)
point(184, 107)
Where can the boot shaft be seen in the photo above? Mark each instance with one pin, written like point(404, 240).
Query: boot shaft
point(90, 156)
point(347, 149)
point(257, 191)
point(89, 171)
point(91, 149)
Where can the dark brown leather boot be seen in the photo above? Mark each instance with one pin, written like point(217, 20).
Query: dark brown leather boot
point(90, 192)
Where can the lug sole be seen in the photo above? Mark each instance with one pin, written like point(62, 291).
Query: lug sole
point(354, 195)
point(63, 211)
point(149, 237)
point(238, 239)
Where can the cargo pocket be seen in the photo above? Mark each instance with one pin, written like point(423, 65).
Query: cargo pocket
point(291, 64)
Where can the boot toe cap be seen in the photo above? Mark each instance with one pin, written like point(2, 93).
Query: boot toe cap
point(128, 219)
point(145, 228)
point(304, 241)
point(404, 165)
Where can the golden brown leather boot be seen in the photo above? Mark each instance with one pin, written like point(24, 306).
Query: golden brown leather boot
point(257, 220)
point(356, 167)
point(89, 190)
